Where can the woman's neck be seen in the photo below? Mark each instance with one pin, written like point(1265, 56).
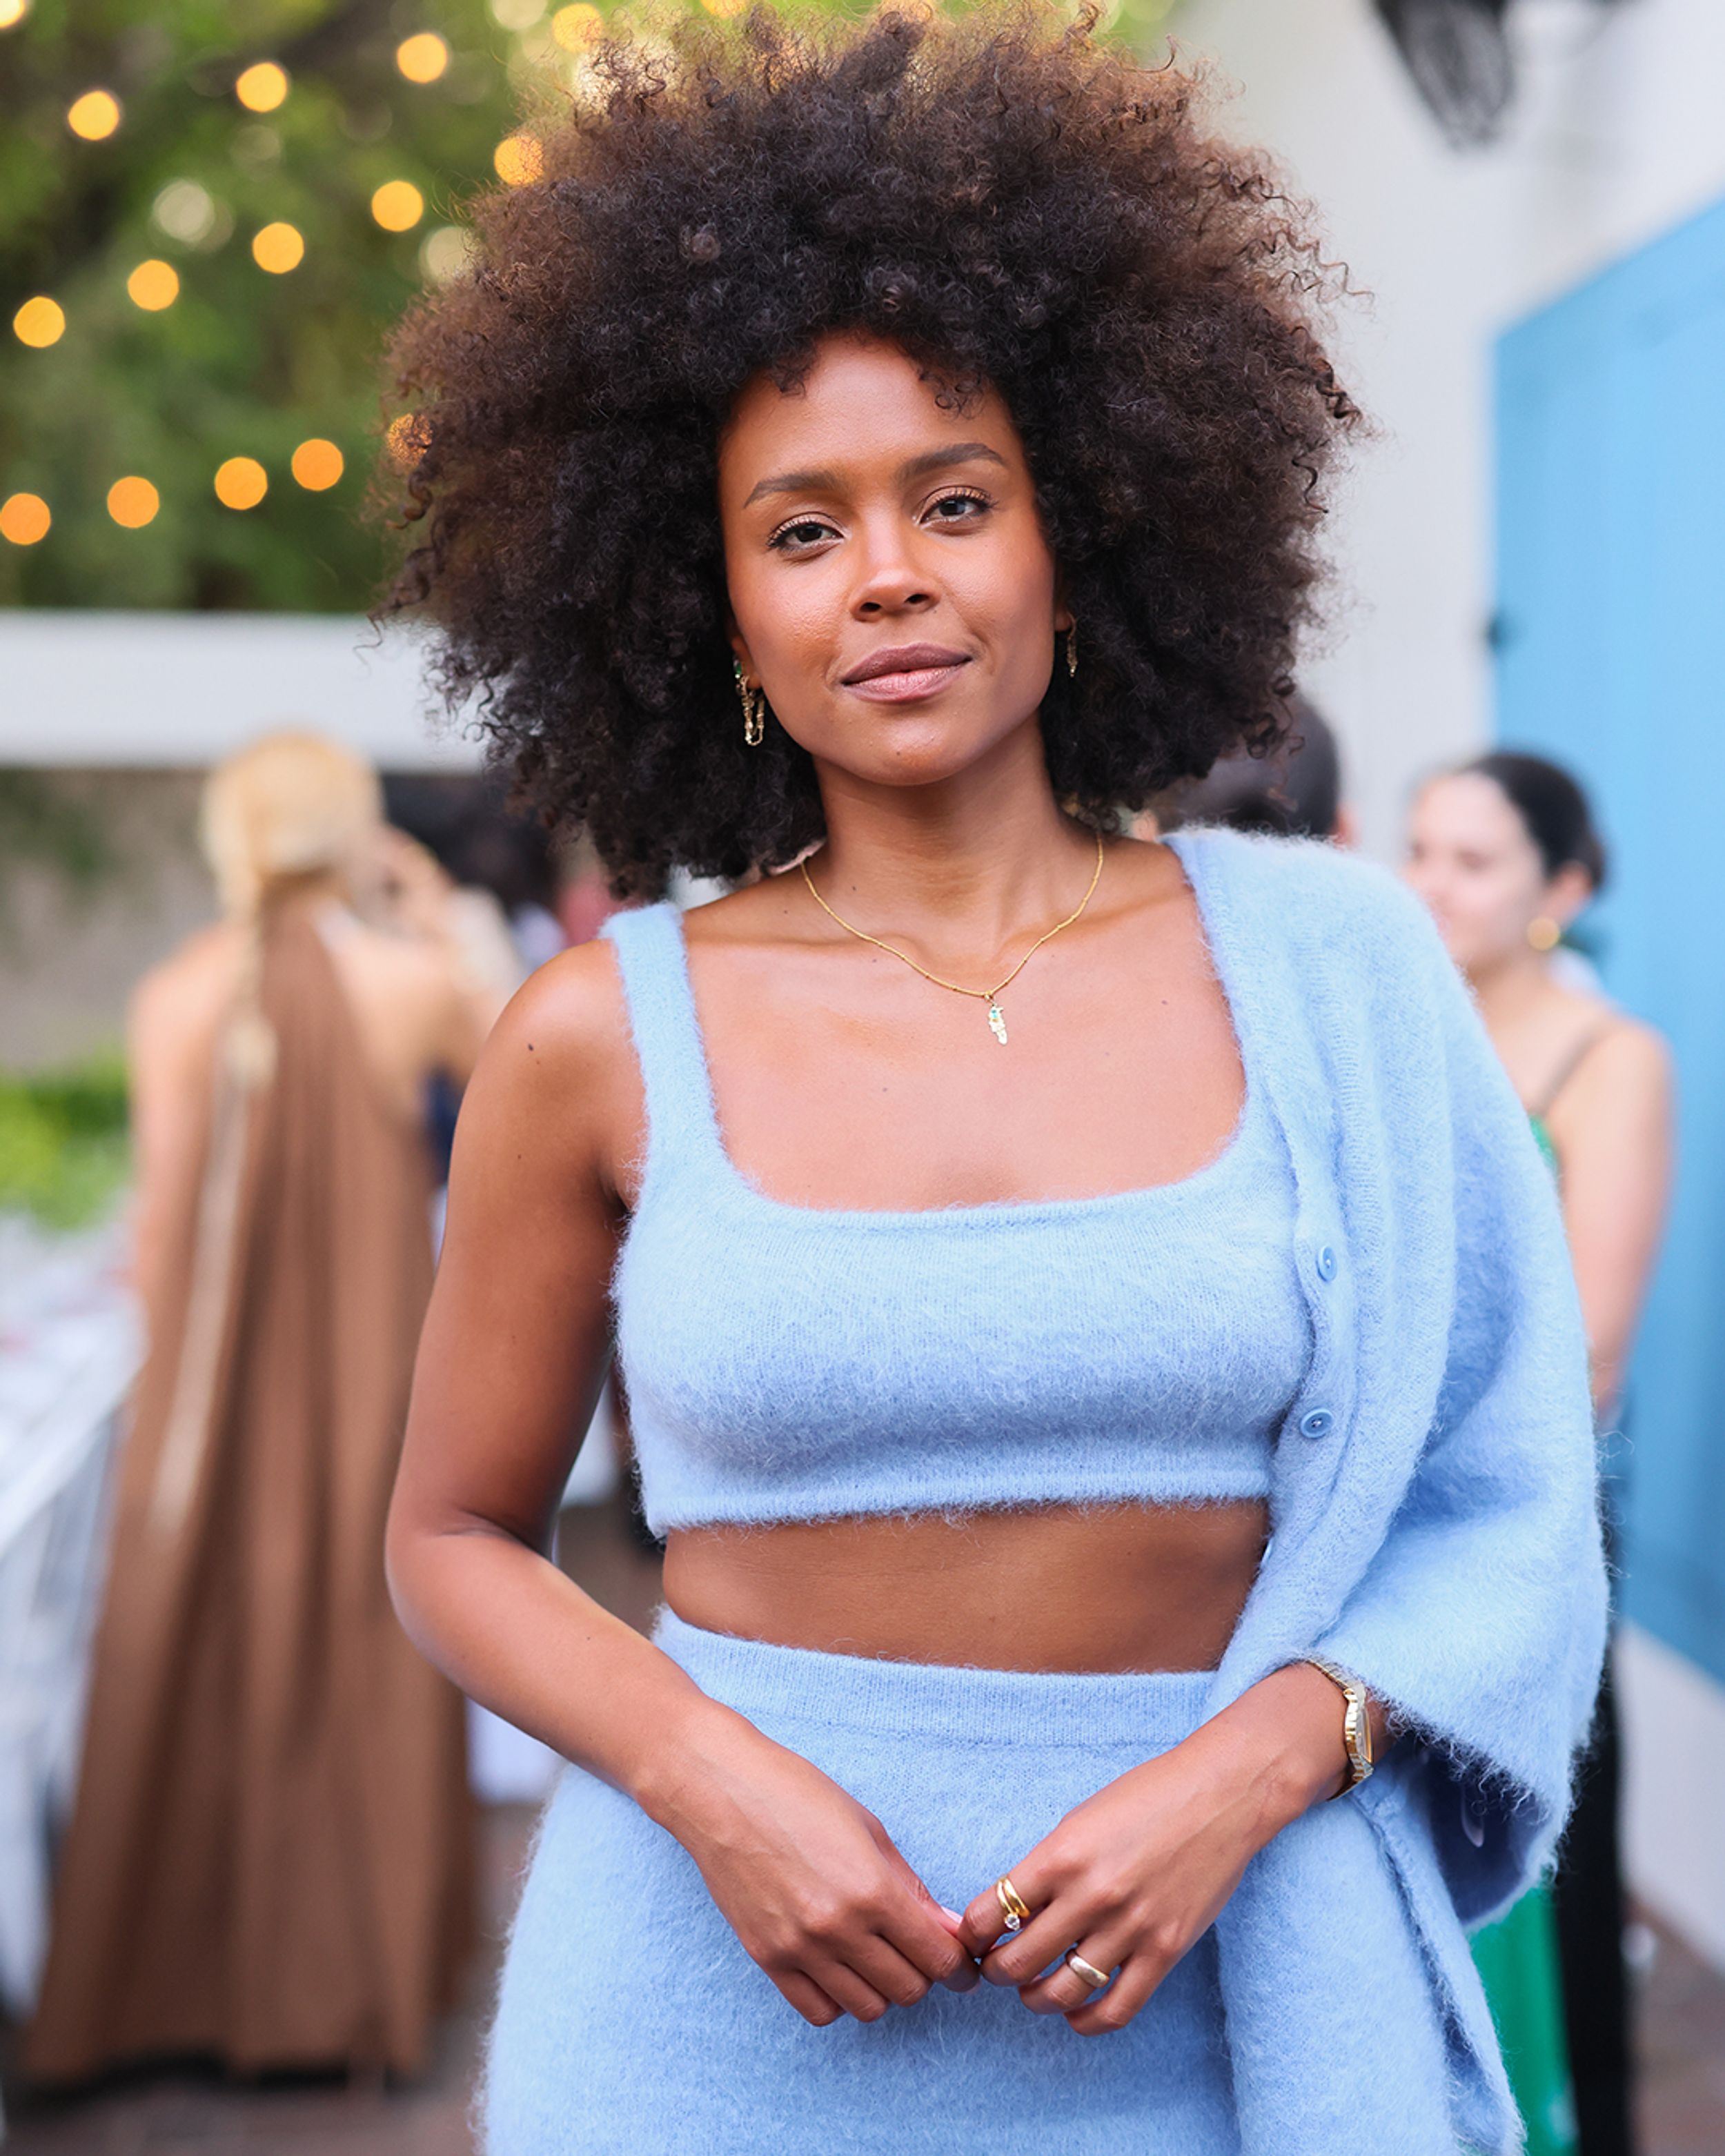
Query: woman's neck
point(967, 865)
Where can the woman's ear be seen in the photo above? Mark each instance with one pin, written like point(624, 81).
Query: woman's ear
point(1568, 893)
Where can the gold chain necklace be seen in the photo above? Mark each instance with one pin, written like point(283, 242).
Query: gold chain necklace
point(997, 1017)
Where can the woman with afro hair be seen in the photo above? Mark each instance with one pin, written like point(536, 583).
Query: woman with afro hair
point(1096, 1328)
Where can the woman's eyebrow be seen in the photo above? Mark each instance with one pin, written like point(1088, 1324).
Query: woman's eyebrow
point(918, 467)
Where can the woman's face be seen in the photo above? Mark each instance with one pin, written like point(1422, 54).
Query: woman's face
point(1471, 859)
point(890, 587)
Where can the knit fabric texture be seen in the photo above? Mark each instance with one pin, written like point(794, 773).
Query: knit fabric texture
point(630, 2018)
point(1432, 1485)
point(1144, 1346)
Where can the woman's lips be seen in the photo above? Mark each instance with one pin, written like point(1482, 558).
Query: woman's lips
point(907, 687)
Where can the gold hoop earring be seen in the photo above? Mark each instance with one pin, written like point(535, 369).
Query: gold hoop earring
point(1544, 933)
point(754, 709)
point(1072, 650)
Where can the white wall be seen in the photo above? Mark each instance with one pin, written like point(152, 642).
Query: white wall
point(177, 690)
point(1618, 133)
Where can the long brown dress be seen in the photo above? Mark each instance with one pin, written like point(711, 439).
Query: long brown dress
point(270, 1859)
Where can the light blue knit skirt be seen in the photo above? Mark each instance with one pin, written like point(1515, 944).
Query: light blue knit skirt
point(631, 2020)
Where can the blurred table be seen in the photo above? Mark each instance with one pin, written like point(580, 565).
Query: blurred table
point(70, 1345)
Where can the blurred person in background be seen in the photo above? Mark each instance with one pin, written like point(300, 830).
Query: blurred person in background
point(269, 1860)
point(1505, 855)
point(1295, 791)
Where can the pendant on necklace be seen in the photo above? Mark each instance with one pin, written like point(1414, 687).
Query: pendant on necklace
point(996, 1022)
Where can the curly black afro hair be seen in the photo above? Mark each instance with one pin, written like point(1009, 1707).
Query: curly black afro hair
point(1011, 201)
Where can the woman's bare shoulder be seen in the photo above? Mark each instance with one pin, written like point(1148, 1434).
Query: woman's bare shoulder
point(192, 981)
point(558, 1071)
point(1625, 1051)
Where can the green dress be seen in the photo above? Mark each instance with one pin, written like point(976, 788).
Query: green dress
point(1518, 1961)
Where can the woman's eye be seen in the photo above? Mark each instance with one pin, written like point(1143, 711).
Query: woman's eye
point(961, 508)
point(806, 531)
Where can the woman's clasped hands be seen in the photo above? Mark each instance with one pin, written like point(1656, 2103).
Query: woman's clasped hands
point(1127, 1881)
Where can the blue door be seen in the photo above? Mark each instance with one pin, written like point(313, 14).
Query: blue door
point(1611, 640)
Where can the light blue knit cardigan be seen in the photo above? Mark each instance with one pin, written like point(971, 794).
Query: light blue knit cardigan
point(1434, 1521)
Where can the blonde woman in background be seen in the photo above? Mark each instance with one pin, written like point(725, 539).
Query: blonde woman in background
point(269, 1863)
point(1505, 855)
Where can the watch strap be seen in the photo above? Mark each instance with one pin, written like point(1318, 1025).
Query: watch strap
point(1356, 1722)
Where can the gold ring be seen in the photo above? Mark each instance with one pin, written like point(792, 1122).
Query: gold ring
point(1088, 1970)
point(1012, 1907)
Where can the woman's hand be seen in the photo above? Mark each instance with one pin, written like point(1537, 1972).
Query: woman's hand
point(809, 1881)
point(1134, 1875)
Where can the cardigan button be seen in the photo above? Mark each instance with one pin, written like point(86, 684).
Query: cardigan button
point(1317, 1422)
point(1328, 1262)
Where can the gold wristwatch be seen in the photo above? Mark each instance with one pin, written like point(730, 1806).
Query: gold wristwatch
point(1356, 1722)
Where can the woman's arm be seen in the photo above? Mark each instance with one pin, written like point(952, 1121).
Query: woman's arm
point(1612, 1130)
point(512, 1358)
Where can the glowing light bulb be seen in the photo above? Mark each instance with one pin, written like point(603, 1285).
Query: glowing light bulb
point(262, 87)
point(132, 502)
point(422, 58)
point(13, 12)
point(519, 160)
point(24, 518)
point(317, 464)
point(405, 438)
point(278, 249)
point(444, 253)
point(153, 286)
point(95, 115)
point(241, 483)
point(577, 27)
point(40, 321)
point(185, 211)
point(397, 205)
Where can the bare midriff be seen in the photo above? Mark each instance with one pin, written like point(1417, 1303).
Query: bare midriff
point(1110, 1587)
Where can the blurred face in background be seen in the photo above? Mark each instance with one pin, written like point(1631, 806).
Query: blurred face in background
point(1471, 858)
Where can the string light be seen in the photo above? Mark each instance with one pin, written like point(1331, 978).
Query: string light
point(406, 439)
point(24, 518)
point(153, 286)
point(241, 483)
point(13, 12)
point(132, 502)
point(444, 253)
point(95, 115)
point(422, 58)
point(578, 26)
point(397, 205)
point(185, 211)
point(262, 86)
point(317, 464)
point(278, 249)
point(40, 321)
point(519, 160)
point(516, 14)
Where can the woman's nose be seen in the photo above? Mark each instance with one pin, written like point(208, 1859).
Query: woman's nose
point(891, 583)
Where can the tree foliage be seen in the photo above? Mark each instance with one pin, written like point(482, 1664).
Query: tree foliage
point(242, 363)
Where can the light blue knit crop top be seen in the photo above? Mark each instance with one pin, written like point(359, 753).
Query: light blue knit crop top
point(787, 1363)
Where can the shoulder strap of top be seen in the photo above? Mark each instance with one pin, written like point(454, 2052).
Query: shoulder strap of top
point(1567, 1068)
point(653, 963)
